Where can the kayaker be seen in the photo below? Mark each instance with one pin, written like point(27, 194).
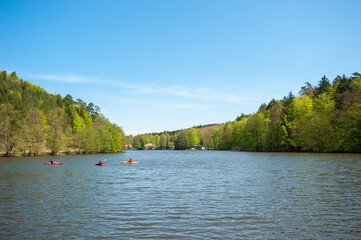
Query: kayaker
point(100, 162)
point(130, 160)
point(52, 161)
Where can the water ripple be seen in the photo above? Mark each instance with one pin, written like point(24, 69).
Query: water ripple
point(182, 195)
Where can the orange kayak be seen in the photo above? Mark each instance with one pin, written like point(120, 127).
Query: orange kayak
point(129, 162)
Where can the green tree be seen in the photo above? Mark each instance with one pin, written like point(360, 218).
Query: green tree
point(156, 141)
point(192, 137)
point(101, 135)
point(308, 90)
point(347, 114)
point(163, 141)
point(298, 122)
point(144, 139)
point(10, 127)
point(57, 131)
point(255, 133)
point(205, 137)
point(216, 138)
point(117, 138)
point(225, 137)
point(324, 86)
point(183, 142)
point(136, 142)
point(238, 134)
point(175, 140)
point(277, 132)
point(322, 129)
point(88, 133)
point(34, 132)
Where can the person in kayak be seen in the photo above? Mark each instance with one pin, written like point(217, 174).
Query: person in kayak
point(130, 160)
point(100, 162)
point(52, 161)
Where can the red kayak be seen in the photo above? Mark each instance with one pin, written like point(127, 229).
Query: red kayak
point(57, 163)
point(99, 164)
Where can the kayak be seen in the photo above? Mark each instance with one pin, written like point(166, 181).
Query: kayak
point(57, 163)
point(129, 162)
point(96, 164)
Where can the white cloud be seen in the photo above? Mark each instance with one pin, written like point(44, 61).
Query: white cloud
point(204, 94)
point(207, 94)
point(178, 106)
point(69, 78)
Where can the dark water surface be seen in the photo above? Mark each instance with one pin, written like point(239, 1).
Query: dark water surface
point(182, 195)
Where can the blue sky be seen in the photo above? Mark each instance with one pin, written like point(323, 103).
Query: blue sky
point(166, 65)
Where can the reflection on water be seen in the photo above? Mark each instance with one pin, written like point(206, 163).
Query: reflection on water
point(182, 194)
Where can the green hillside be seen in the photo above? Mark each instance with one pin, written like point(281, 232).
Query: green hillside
point(34, 122)
point(323, 118)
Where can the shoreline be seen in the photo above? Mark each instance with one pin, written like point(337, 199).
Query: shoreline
point(44, 154)
point(3, 155)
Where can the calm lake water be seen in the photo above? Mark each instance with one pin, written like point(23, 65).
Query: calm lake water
point(182, 195)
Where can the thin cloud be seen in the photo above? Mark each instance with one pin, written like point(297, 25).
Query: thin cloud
point(203, 94)
point(69, 78)
point(163, 105)
point(178, 106)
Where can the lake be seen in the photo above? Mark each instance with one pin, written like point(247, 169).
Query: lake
point(182, 195)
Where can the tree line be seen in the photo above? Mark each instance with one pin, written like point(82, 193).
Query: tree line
point(34, 122)
point(177, 139)
point(322, 118)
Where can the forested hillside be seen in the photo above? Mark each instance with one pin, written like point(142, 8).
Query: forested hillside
point(34, 122)
point(323, 118)
point(178, 139)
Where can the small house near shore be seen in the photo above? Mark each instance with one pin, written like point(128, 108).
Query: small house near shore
point(149, 146)
point(199, 147)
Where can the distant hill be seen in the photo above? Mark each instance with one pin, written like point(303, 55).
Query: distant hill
point(209, 128)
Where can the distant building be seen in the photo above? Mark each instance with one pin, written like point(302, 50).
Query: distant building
point(149, 146)
point(199, 147)
point(129, 147)
point(171, 146)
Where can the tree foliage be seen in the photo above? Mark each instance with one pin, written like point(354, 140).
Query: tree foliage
point(323, 118)
point(33, 122)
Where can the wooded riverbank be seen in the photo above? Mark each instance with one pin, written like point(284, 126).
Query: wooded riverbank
point(323, 118)
point(34, 122)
